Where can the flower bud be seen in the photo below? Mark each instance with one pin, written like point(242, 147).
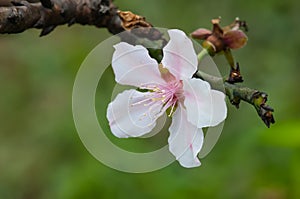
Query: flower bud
point(235, 39)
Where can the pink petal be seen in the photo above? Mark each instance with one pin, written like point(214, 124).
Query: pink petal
point(133, 66)
point(179, 55)
point(129, 118)
point(185, 140)
point(205, 107)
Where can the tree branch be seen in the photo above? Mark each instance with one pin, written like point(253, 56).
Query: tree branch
point(237, 93)
point(51, 13)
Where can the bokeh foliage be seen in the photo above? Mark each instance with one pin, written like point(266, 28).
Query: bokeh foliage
point(41, 155)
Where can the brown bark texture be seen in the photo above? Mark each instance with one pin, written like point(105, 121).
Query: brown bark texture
point(18, 16)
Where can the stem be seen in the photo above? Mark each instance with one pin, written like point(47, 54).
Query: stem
point(229, 58)
point(202, 54)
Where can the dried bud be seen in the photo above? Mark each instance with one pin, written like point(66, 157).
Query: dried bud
point(263, 110)
point(221, 39)
point(235, 75)
point(266, 114)
point(131, 20)
point(138, 26)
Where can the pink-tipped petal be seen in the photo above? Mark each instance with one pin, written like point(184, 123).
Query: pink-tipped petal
point(235, 39)
point(201, 33)
point(205, 107)
point(133, 66)
point(133, 114)
point(179, 55)
point(185, 140)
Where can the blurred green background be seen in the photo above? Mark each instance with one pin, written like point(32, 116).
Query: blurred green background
point(41, 155)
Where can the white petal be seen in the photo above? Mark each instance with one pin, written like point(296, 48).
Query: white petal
point(179, 55)
point(185, 140)
point(129, 118)
point(133, 66)
point(205, 107)
point(219, 107)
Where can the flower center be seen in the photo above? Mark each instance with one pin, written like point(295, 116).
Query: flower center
point(168, 95)
point(160, 97)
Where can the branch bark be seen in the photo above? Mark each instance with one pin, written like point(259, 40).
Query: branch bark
point(51, 13)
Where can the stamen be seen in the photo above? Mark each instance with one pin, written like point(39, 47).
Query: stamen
point(159, 98)
point(140, 102)
point(172, 109)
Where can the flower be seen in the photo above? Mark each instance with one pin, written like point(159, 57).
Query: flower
point(169, 85)
point(222, 39)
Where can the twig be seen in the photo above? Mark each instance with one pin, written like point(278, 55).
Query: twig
point(237, 93)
